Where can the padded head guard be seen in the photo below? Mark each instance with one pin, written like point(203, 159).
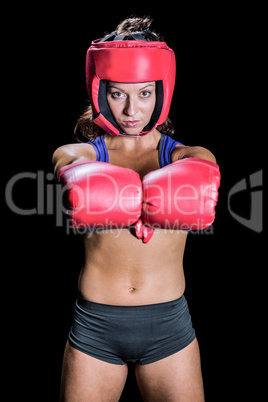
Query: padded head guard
point(133, 58)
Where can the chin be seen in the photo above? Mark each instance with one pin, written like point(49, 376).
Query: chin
point(133, 131)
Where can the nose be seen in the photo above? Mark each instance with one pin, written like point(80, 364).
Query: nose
point(130, 107)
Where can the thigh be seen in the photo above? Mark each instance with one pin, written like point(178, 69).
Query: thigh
point(175, 378)
point(85, 378)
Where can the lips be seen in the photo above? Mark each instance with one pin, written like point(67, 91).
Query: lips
point(131, 123)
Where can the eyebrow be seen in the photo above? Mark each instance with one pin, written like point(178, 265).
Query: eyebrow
point(120, 89)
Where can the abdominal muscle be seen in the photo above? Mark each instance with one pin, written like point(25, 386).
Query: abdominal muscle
point(121, 270)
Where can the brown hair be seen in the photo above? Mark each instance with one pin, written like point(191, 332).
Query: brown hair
point(86, 128)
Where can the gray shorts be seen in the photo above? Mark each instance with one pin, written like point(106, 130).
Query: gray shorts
point(135, 334)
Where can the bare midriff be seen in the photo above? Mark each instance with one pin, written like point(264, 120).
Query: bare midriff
point(120, 269)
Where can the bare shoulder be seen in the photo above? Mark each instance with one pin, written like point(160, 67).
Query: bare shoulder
point(70, 153)
point(181, 152)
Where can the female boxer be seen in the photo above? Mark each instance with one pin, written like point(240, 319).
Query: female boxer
point(135, 192)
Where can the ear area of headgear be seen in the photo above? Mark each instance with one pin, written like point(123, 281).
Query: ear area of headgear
point(111, 61)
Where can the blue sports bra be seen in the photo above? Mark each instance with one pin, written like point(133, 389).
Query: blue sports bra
point(166, 147)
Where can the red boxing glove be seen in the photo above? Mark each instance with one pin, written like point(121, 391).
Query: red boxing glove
point(143, 232)
point(102, 195)
point(182, 195)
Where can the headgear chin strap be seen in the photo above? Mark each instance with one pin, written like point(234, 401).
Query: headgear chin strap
point(134, 58)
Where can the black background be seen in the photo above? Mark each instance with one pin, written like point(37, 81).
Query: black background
point(215, 105)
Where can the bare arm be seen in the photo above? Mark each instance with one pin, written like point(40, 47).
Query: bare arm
point(181, 152)
point(70, 153)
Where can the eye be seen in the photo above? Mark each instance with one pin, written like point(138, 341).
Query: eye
point(145, 94)
point(117, 95)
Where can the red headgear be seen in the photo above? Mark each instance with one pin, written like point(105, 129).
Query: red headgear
point(129, 61)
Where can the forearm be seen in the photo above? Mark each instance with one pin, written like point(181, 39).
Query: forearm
point(192, 152)
point(67, 154)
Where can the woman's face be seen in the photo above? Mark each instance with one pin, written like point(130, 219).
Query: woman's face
point(132, 105)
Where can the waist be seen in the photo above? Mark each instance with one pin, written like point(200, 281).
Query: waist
point(130, 286)
point(110, 310)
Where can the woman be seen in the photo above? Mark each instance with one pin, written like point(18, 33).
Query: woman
point(129, 189)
